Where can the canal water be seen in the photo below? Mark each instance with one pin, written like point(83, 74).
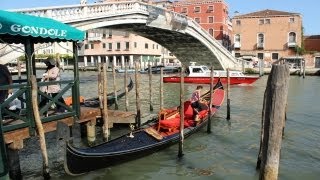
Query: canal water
point(229, 152)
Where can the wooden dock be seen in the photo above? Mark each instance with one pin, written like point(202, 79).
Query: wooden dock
point(15, 138)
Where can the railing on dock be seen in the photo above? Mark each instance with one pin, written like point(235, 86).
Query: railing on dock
point(23, 118)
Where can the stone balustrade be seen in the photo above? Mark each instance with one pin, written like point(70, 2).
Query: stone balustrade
point(79, 12)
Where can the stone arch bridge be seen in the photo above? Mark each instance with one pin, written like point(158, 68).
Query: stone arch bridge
point(181, 35)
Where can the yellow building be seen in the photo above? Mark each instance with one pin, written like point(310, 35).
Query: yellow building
point(268, 35)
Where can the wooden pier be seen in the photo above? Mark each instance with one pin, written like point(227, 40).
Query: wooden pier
point(15, 138)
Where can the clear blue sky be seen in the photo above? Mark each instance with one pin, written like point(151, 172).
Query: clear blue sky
point(307, 8)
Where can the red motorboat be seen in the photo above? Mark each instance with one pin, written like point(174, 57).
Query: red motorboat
point(201, 75)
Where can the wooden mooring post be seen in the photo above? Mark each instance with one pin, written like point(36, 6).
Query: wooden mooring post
point(261, 67)
point(42, 139)
point(161, 89)
point(115, 87)
point(273, 120)
point(228, 94)
point(181, 137)
point(150, 87)
point(138, 103)
point(105, 128)
point(126, 87)
point(304, 68)
point(211, 97)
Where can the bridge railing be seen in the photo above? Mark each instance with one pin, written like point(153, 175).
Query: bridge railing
point(79, 12)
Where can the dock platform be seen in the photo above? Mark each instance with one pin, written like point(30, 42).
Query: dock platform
point(15, 138)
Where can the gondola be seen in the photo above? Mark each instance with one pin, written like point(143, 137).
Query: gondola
point(94, 102)
point(152, 136)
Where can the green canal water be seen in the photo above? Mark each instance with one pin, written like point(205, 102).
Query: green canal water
point(229, 152)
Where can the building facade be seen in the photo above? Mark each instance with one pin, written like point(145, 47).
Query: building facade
point(267, 35)
point(312, 48)
point(212, 15)
point(120, 48)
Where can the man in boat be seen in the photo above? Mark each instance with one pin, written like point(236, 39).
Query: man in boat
point(197, 103)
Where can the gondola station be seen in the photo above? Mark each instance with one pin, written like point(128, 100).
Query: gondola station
point(170, 127)
point(32, 120)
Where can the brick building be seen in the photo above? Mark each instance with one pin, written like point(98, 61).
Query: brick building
point(212, 15)
point(312, 48)
point(267, 34)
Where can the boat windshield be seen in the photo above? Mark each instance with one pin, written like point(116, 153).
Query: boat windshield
point(205, 68)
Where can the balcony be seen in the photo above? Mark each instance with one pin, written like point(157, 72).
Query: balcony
point(237, 45)
point(260, 45)
point(95, 38)
point(292, 44)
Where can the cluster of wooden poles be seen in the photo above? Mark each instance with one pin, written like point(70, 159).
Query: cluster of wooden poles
point(102, 89)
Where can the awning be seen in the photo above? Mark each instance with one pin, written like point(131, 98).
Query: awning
point(44, 29)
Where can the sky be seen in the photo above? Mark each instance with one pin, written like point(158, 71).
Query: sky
point(307, 8)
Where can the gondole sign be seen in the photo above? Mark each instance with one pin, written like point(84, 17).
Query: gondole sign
point(164, 19)
point(37, 31)
point(26, 25)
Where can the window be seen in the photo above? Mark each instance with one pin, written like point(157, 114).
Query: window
point(260, 55)
point(86, 46)
point(104, 35)
point(261, 21)
point(275, 56)
point(92, 46)
point(127, 45)
point(153, 45)
point(118, 46)
point(110, 46)
point(237, 41)
point(211, 32)
point(196, 70)
point(267, 21)
point(292, 37)
point(237, 55)
point(110, 33)
point(197, 20)
point(197, 9)
point(184, 10)
point(210, 19)
point(260, 40)
point(135, 45)
point(291, 20)
point(210, 9)
point(238, 22)
point(237, 38)
point(146, 46)
point(104, 45)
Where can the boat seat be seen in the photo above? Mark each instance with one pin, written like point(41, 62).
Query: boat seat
point(173, 123)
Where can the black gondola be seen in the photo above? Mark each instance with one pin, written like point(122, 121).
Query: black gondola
point(94, 102)
point(154, 135)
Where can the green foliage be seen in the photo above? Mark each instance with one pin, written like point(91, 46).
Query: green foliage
point(250, 71)
point(300, 50)
point(45, 56)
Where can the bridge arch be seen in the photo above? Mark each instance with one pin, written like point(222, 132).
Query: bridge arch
point(179, 34)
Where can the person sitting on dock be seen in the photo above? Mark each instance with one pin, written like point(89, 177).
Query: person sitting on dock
point(52, 74)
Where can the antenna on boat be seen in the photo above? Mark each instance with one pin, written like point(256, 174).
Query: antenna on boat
point(132, 128)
